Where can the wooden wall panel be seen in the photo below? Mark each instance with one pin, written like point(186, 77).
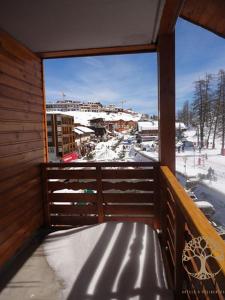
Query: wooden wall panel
point(22, 145)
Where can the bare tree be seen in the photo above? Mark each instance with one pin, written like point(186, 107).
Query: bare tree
point(184, 113)
point(198, 108)
point(201, 106)
point(222, 108)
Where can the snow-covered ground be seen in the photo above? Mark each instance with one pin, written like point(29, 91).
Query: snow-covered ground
point(197, 163)
point(104, 151)
point(194, 164)
point(84, 117)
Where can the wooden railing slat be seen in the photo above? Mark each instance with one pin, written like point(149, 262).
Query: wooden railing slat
point(132, 174)
point(73, 209)
point(72, 197)
point(100, 195)
point(103, 164)
point(129, 209)
point(56, 185)
point(71, 174)
point(129, 197)
point(73, 220)
point(124, 185)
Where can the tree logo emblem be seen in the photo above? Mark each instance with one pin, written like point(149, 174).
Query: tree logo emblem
point(198, 252)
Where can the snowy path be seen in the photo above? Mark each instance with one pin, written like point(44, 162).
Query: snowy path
point(206, 191)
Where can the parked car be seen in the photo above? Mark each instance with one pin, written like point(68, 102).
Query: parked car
point(206, 207)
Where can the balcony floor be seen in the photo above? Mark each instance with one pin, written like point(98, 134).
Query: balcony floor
point(34, 280)
point(114, 260)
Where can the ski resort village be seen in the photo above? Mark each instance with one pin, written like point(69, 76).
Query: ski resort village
point(92, 132)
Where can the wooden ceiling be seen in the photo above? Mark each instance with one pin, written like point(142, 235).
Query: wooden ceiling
point(57, 25)
point(96, 27)
point(209, 14)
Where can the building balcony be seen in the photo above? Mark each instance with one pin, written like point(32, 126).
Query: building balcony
point(142, 207)
point(81, 194)
point(105, 194)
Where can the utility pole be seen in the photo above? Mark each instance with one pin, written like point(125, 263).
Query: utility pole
point(122, 102)
point(63, 96)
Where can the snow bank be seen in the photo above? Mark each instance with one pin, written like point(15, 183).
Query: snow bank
point(106, 154)
point(84, 117)
point(67, 255)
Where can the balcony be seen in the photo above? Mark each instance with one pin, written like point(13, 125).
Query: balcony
point(130, 193)
point(80, 194)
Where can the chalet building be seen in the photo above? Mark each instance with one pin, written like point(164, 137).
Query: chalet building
point(83, 136)
point(120, 125)
point(61, 144)
point(148, 128)
point(150, 240)
point(151, 128)
point(98, 125)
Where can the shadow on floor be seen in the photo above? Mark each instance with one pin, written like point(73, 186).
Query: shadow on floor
point(123, 275)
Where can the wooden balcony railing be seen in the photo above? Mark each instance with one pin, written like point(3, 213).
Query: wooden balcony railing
point(88, 193)
point(181, 222)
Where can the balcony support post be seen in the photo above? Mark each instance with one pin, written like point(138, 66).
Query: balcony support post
point(179, 246)
point(99, 195)
point(166, 100)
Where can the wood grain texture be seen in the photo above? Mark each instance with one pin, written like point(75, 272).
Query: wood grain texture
point(208, 14)
point(119, 192)
point(166, 73)
point(99, 51)
point(184, 222)
point(73, 220)
point(21, 145)
point(171, 11)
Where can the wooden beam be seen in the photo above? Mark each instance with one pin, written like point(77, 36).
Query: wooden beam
point(170, 14)
point(166, 77)
point(99, 51)
point(44, 121)
point(208, 14)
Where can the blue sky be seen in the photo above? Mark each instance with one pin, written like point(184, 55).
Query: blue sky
point(110, 79)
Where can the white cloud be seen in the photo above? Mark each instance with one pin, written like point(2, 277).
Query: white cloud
point(107, 80)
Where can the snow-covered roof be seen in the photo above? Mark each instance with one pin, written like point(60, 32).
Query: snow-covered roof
point(153, 125)
point(77, 131)
point(204, 204)
point(83, 118)
point(84, 129)
point(180, 125)
point(150, 125)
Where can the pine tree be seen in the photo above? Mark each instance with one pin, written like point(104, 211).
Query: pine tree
point(221, 84)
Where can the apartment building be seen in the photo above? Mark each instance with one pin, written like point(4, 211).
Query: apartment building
point(61, 144)
point(73, 105)
point(110, 108)
point(64, 105)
